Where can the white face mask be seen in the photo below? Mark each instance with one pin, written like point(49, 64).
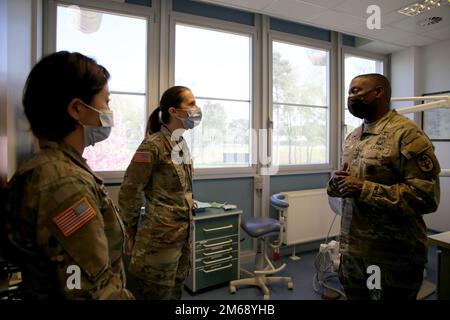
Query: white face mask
point(193, 118)
point(94, 134)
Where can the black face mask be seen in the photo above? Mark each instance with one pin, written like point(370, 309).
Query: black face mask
point(358, 107)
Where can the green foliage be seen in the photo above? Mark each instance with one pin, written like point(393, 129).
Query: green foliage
point(298, 126)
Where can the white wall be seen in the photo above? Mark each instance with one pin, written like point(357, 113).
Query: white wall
point(405, 68)
point(403, 72)
point(19, 50)
point(3, 76)
point(416, 71)
point(436, 67)
point(435, 62)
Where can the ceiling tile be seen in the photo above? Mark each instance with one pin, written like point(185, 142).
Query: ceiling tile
point(389, 34)
point(324, 3)
point(400, 37)
point(293, 9)
point(359, 7)
point(381, 47)
point(411, 23)
point(354, 8)
point(350, 16)
point(391, 5)
point(419, 41)
point(339, 21)
point(441, 34)
point(392, 17)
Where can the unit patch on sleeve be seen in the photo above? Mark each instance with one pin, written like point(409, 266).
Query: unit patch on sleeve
point(425, 163)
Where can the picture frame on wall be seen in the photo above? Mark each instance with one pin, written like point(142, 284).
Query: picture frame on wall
point(436, 122)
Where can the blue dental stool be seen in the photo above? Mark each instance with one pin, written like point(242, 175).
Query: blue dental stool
point(261, 229)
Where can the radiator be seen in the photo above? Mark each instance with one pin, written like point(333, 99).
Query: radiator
point(308, 217)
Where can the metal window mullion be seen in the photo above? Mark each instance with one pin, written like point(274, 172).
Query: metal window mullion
point(128, 93)
point(223, 99)
point(300, 105)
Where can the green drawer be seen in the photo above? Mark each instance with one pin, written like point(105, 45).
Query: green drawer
point(216, 274)
point(209, 261)
point(202, 252)
point(217, 227)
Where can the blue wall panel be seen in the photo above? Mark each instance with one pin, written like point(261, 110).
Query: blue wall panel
point(348, 40)
point(300, 29)
point(212, 11)
point(147, 3)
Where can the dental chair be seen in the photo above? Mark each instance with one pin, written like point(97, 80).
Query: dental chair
point(261, 229)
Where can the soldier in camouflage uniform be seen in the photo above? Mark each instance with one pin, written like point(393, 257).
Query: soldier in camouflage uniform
point(62, 228)
point(389, 179)
point(161, 169)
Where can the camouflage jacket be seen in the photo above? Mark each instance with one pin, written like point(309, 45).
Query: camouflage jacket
point(64, 230)
point(161, 169)
point(396, 160)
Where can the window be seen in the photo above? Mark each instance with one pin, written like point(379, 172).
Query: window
point(216, 66)
point(300, 97)
point(355, 66)
point(119, 43)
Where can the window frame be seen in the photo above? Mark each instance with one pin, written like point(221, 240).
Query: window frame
point(313, 44)
point(255, 114)
point(161, 22)
point(152, 58)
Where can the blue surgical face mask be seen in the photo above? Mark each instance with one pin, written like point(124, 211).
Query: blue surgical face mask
point(193, 119)
point(94, 134)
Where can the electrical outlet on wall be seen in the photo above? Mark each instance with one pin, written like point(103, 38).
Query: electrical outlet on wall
point(258, 182)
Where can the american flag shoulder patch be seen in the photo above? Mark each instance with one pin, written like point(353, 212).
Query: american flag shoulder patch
point(74, 217)
point(143, 157)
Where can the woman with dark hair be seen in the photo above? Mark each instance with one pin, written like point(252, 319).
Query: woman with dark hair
point(161, 169)
point(62, 228)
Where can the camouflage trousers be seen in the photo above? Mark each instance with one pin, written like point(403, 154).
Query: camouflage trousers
point(155, 285)
point(399, 280)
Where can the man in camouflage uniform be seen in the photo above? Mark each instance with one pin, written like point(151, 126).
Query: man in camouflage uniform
point(161, 237)
point(389, 179)
point(61, 228)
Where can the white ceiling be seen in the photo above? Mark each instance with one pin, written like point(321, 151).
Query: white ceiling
point(349, 16)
